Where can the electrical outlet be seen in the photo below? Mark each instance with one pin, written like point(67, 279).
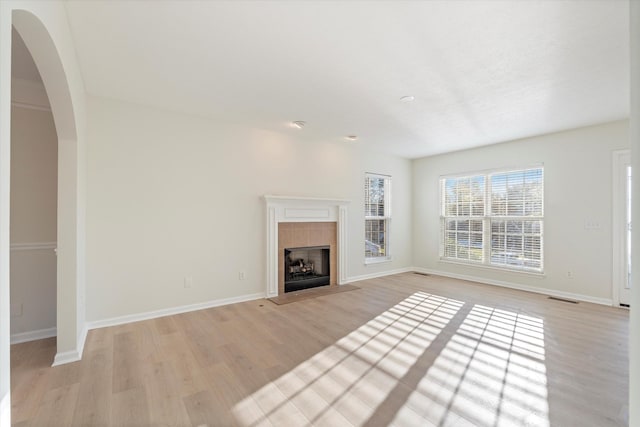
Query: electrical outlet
point(241, 275)
point(569, 274)
point(188, 281)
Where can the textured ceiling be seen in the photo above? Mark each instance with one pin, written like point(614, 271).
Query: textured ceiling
point(481, 72)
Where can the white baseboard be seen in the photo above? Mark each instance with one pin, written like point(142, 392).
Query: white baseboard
point(76, 355)
point(60, 358)
point(82, 338)
point(33, 335)
point(5, 409)
point(67, 357)
point(378, 274)
point(520, 287)
point(114, 321)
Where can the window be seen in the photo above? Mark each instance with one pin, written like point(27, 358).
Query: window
point(377, 215)
point(494, 219)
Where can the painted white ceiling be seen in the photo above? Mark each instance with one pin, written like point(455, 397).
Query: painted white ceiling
point(481, 72)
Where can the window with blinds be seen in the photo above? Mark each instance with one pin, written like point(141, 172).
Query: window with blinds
point(494, 218)
point(377, 211)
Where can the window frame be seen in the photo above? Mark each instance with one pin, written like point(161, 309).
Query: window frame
point(488, 219)
point(386, 217)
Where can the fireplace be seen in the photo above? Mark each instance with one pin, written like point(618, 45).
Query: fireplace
point(306, 267)
point(304, 222)
point(300, 242)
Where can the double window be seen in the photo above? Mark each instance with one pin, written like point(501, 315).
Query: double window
point(494, 219)
point(377, 216)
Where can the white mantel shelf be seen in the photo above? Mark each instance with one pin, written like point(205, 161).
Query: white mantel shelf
point(297, 200)
point(303, 209)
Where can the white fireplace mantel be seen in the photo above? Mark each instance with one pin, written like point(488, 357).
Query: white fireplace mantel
point(303, 209)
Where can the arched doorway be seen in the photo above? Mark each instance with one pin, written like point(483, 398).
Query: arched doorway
point(69, 300)
point(33, 20)
point(34, 195)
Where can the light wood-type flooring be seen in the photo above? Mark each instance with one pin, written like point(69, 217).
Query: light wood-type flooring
point(404, 350)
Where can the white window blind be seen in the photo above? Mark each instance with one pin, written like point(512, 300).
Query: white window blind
point(377, 208)
point(494, 218)
point(464, 207)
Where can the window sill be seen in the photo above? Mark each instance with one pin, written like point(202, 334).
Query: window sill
point(381, 260)
point(492, 268)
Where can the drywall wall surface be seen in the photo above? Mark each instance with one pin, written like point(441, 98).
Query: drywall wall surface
point(34, 179)
point(34, 161)
point(578, 194)
point(44, 28)
point(44, 21)
point(172, 196)
point(5, 190)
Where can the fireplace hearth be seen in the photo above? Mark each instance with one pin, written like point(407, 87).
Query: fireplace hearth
point(306, 267)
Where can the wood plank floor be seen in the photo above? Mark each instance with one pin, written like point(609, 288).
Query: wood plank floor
point(405, 350)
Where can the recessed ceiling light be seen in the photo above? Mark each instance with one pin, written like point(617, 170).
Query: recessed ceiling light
point(351, 137)
point(298, 124)
point(407, 98)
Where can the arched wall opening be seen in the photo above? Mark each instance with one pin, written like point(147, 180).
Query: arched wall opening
point(44, 28)
point(34, 198)
point(47, 59)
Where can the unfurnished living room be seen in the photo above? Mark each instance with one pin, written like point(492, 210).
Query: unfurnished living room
point(319, 213)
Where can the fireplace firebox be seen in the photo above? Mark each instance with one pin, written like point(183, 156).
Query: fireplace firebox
point(306, 268)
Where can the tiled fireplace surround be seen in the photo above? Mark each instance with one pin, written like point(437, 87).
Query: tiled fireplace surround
point(305, 234)
point(294, 222)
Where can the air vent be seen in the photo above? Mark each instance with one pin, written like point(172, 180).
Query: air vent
point(421, 274)
point(564, 300)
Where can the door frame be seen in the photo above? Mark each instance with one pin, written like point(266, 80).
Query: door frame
point(619, 158)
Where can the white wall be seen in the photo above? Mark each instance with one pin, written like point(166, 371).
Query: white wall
point(172, 195)
point(34, 160)
point(578, 188)
point(44, 28)
point(5, 183)
point(634, 137)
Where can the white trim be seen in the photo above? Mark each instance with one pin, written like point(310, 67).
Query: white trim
point(378, 260)
point(303, 209)
point(35, 246)
point(66, 357)
point(82, 338)
point(272, 251)
point(114, 321)
point(517, 286)
point(29, 94)
point(379, 274)
point(533, 273)
point(491, 171)
point(342, 244)
point(618, 204)
point(377, 175)
point(5, 410)
point(28, 106)
point(76, 355)
point(33, 335)
point(293, 199)
point(487, 218)
point(386, 217)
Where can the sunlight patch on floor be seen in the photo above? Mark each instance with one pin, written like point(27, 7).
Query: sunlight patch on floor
point(345, 383)
point(487, 369)
point(491, 373)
